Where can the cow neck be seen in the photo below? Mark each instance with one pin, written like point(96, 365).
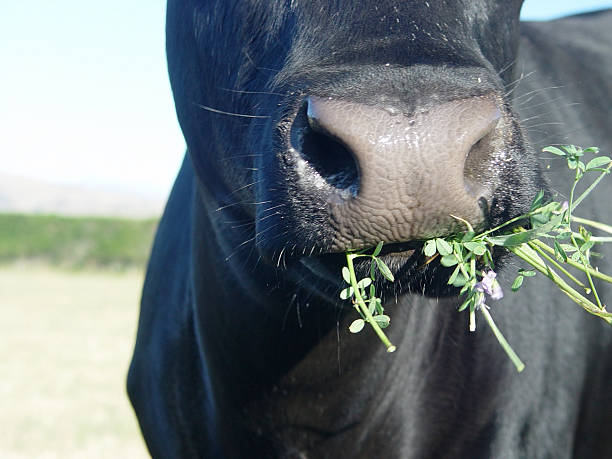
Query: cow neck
point(244, 314)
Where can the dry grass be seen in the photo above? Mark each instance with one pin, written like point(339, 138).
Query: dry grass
point(65, 343)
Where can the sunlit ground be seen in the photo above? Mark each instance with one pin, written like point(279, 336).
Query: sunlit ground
point(65, 344)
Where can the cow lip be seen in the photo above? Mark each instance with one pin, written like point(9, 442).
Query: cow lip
point(400, 255)
point(399, 248)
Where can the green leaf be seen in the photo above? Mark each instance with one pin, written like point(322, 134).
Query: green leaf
point(511, 240)
point(377, 306)
point(459, 251)
point(487, 260)
point(384, 270)
point(477, 247)
point(568, 247)
point(559, 252)
point(466, 303)
point(544, 214)
point(574, 150)
point(373, 269)
point(363, 283)
point(377, 249)
point(537, 201)
point(430, 248)
point(598, 162)
point(517, 283)
point(347, 293)
point(372, 291)
point(449, 260)
point(382, 320)
point(468, 236)
point(593, 150)
point(346, 275)
point(357, 326)
point(586, 246)
point(563, 235)
point(576, 256)
point(460, 281)
point(527, 272)
point(538, 220)
point(572, 163)
point(554, 151)
point(444, 248)
point(453, 276)
point(586, 235)
point(549, 208)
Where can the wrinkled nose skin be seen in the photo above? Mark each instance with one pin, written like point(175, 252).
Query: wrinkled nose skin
point(413, 172)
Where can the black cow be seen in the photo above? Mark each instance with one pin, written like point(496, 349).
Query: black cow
point(314, 127)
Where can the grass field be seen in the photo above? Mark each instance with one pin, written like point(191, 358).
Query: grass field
point(65, 341)
point(76, 242)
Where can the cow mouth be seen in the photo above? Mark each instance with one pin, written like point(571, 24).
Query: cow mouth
point(399, 249)
point(412, 269)
point(403, 258)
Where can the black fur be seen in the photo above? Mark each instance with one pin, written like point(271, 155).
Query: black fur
point(243, 348)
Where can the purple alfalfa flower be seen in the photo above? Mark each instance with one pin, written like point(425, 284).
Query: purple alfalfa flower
point(561, 208)
point(489, 285)
point(564, 206)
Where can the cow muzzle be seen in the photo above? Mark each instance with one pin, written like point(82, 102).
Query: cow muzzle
point(392, 177)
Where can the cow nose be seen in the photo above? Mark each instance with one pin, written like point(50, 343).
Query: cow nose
point(394, 177)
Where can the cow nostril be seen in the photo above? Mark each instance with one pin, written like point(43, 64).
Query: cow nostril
point(477, 165)
point(326, 154)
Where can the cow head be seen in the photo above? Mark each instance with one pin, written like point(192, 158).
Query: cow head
point(321, 127)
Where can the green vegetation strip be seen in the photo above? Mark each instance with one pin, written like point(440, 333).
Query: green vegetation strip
point(76, 242)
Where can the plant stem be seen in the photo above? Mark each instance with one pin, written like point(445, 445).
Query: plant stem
point(515, 219)
point(362, 305)
point(594, 224)
point(554, 262)
point(593, 185)
point(593, 272)
point(589, 306)
point(583, 258)
point(585, 263)
point(571, 198)
point(465, 222)
point(472, 306)
point(520, 366)
point(593, 238)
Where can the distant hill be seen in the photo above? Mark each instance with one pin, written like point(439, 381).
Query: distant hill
point(23, 195)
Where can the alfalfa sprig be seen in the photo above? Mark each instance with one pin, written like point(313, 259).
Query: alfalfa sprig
point(546, 240)
point(466, 253)
point(565, 249)
point(363, 294)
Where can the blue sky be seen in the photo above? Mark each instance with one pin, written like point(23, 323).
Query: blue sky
point(85, 98)
point(550, 9)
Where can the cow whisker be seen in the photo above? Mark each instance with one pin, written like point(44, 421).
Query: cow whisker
point(222, 112)
point(245, 186)
point(241, 203)
point(241, 91)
